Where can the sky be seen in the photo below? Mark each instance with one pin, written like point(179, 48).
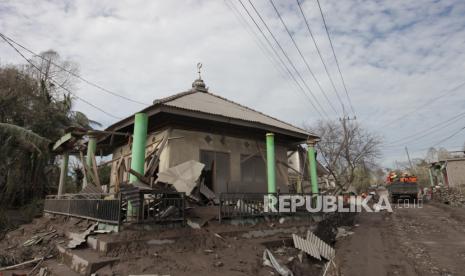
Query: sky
point(402, 61)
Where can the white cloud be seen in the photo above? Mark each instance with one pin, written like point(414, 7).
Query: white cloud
point(395, 55)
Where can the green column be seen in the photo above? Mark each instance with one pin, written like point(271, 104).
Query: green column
point(139, 140)
point(299, 184)
point(431, 177)
point(63, 173)
point(312, 166)
point(138, 145)
point(91, 146)
point(270, 163)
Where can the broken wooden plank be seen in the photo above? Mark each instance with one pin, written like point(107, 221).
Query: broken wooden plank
point(154, 162)
point(139, 176)
point(94, 168)
point(208, 193)
point(81, 156)
point(20, 264)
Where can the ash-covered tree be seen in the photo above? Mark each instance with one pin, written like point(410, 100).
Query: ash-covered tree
point(34, 112)
point(348, 151)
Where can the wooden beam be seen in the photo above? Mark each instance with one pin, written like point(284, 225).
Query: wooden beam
point(94, 167)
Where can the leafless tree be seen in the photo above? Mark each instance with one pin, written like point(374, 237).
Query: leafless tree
point(346, 149)
point(434, 155)
point(55, 75)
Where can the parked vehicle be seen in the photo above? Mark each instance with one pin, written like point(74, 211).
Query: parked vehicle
point(403, 190)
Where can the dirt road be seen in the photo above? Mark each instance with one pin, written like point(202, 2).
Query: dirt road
point(413, 241)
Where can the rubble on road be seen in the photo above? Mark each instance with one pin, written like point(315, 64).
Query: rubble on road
point(343, 232)
point(215, 248)
point(33, 261)
point(36, 240)
point(451, 196)
point(269, 260)
point(81, 238)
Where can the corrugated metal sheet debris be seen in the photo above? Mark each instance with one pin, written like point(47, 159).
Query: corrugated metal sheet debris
point(306, 246)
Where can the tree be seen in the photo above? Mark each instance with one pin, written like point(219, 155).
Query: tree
point(33, 114)
point(347, 150)
point(52, 73)
point(434, 155)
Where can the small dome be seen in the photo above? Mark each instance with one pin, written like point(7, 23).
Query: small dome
point(199, 85)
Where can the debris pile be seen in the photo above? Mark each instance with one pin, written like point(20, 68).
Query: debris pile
point(270, 261)
point(187, 178)
point(163, 199)
point(32, 243)
point(451, 196)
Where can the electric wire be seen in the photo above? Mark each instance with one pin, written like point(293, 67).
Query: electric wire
point(319, 52)
point(257, 39)
point(429, 102)
point(282, 61)
point(431, 129)
point(304, 59)
point(56, 83)
point(335, 58)
point(72, 73)
point(286, 55)
point(263, 47)
point(448, 137)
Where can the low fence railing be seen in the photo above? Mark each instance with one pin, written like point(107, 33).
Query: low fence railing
point(162, 208)
point(101, 210)
point(247, 205)
point(145, 207)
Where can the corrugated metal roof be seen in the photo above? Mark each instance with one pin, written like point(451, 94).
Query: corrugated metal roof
point(199, 100)
point(207, 102)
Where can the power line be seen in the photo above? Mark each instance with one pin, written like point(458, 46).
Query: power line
point(55, 82)
point(445, 92)
point(6, 38)
point(319, 52)
point(449, 137)
point(285, 55)
point(263, 47)
point(335, 57)
point(304, 59)
point(280, 59)
point(257, 39)
point(431, 129)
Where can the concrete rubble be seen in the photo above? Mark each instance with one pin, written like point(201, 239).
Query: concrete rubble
point(269, 260)
point(343, 232)
point(452, 196)
point(79, 239)
point(214, 248)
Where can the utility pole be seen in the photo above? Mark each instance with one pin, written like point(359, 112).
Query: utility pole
point(343, 120)
point(345, 147)
point(409, 160)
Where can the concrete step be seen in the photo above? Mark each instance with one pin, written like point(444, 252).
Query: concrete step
point(58, 269)
point(92, 241)
point(105, 244)
point(84, 261)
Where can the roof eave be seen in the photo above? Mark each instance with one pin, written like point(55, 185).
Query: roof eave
point(158, 108)
point(223, 119)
